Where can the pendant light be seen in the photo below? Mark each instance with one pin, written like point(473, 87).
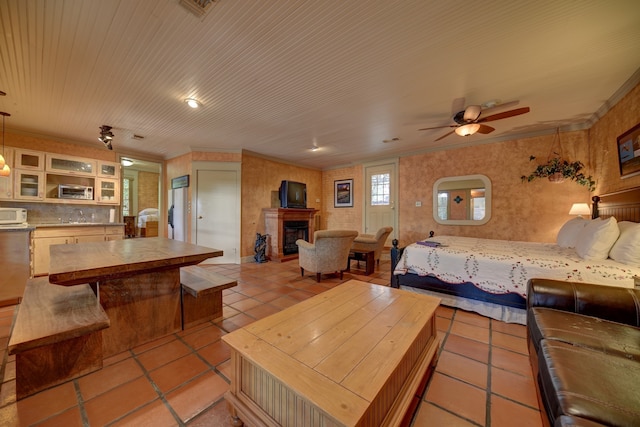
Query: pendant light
point(5, 170)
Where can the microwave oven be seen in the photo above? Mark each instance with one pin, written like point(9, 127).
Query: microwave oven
point(13, 216)
point(75, 192)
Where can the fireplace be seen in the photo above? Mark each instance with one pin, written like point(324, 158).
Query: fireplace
point(294, 230)
point(284, 226)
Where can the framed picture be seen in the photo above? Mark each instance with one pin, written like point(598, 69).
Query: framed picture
point(629, 152)
point(343, 193)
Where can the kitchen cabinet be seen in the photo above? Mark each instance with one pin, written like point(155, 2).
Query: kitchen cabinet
point(6, 182)
point(45, 237)
point(29, 185)
point(57, 163)
point(29, 159)
point(108, 169)
point(107, 191)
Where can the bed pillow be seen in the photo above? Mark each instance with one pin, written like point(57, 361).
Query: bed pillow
point(627, 248)
point(569, 232)
point(148, 211)
point(596, 239)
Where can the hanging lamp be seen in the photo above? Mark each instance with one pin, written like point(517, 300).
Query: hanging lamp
point(5, 169)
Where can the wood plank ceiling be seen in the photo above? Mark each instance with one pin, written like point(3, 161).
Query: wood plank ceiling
point(278, 76)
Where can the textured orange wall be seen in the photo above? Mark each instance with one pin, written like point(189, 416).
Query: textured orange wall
point(604, 143)
point(342, 218)
point(261, 176)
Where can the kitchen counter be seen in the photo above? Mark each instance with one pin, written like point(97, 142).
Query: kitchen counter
point(72, 224)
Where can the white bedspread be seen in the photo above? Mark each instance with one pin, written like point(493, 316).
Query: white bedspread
point(501, 266)
point(143, 219)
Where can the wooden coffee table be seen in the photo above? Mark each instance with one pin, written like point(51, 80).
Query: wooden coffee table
point(352, 356)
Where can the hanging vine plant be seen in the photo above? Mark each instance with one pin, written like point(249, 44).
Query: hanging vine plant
point(557, 170)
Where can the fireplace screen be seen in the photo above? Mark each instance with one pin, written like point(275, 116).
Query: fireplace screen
point(294, 230)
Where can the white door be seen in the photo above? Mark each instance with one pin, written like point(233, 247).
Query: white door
point(380, 198)
point(217, 213)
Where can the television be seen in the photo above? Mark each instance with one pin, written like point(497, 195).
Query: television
point(293, 194)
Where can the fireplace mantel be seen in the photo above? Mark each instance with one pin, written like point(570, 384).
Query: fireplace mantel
point(274, 219)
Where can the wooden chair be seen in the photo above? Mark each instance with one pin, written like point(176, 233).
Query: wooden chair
point(372, 242)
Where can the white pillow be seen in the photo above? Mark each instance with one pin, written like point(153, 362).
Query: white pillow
point(569, 232)
point(627, 248)
point(596, 239)
point(148, 211)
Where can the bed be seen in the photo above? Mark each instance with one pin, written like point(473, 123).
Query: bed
point(148, 222)
point(490, 276)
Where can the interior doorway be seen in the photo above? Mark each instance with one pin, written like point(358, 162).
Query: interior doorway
point(141, 197)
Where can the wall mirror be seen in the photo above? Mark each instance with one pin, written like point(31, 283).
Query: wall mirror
point(462, 200)
point(141, 197)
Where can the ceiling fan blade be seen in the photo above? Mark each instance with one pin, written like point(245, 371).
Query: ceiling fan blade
point(457, 105)
point(445, 135)
point(440, 127)
point(504, 115)
point(485, 129)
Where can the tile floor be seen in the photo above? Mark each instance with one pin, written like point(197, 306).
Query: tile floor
point(482, 377)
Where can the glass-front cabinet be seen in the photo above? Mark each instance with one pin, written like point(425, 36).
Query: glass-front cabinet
point(29, 159)
point(108, 191)
point(29, 185)
point(108, 169)
point(71, 165)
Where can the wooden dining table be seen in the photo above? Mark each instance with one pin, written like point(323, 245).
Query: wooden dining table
point(137, 282)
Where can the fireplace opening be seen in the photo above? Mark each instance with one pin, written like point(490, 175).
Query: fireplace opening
point(294, 230)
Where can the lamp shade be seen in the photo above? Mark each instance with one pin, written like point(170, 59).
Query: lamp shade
point(467, 130)
point(580, 209)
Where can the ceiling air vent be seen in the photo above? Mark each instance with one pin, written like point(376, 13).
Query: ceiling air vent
point(197, 7)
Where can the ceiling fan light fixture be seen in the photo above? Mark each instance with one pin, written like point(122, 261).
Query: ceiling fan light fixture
point(472, 113)
point(467, 130)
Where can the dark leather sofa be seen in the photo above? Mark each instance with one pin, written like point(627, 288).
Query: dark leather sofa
point(584, 347)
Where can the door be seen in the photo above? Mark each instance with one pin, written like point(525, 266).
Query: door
point(380, 198)
point(217, 213)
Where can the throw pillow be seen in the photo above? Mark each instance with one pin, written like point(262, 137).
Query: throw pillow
point(569, 232)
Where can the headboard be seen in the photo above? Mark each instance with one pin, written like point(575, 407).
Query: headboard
point(623, 205)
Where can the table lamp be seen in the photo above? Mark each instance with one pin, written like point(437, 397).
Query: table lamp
point(580, 209)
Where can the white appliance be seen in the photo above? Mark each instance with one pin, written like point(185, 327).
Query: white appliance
point(178, 208)
point(13, 216)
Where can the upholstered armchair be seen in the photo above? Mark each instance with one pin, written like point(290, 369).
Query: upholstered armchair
point(372, 242)
point(328, 253)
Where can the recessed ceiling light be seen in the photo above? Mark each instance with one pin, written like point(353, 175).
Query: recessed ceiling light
point(191, 102)
point(315, 148)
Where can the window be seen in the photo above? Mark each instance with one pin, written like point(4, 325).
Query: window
point(126, 196)
point(380, 189)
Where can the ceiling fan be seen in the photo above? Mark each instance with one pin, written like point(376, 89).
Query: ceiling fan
point(470, 120)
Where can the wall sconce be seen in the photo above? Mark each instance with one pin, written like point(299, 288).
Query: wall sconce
point(467, 130)
point(5, 170)
point(580, 209)
point(106, 136)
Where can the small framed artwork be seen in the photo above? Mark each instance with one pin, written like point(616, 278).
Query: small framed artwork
point(343, 193)
point(629, 152)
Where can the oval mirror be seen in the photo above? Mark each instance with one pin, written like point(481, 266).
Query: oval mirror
point(462, 200)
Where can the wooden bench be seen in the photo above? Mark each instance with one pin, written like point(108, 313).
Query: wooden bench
point(57, 335)
point(202, 294)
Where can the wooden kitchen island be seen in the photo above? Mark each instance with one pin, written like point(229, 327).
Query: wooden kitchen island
point(137, 282)
point(351, 356)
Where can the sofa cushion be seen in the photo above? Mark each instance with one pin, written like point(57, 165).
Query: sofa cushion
point(569, 421)
point(583, 331)
point(589, 384)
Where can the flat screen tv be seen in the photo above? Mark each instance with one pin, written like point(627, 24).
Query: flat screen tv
point(293, 194)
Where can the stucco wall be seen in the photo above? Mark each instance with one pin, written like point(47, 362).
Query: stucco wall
point(262, 176)
point(342, 218)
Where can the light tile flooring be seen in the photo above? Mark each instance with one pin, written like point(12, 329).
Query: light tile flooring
point(482, 377)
